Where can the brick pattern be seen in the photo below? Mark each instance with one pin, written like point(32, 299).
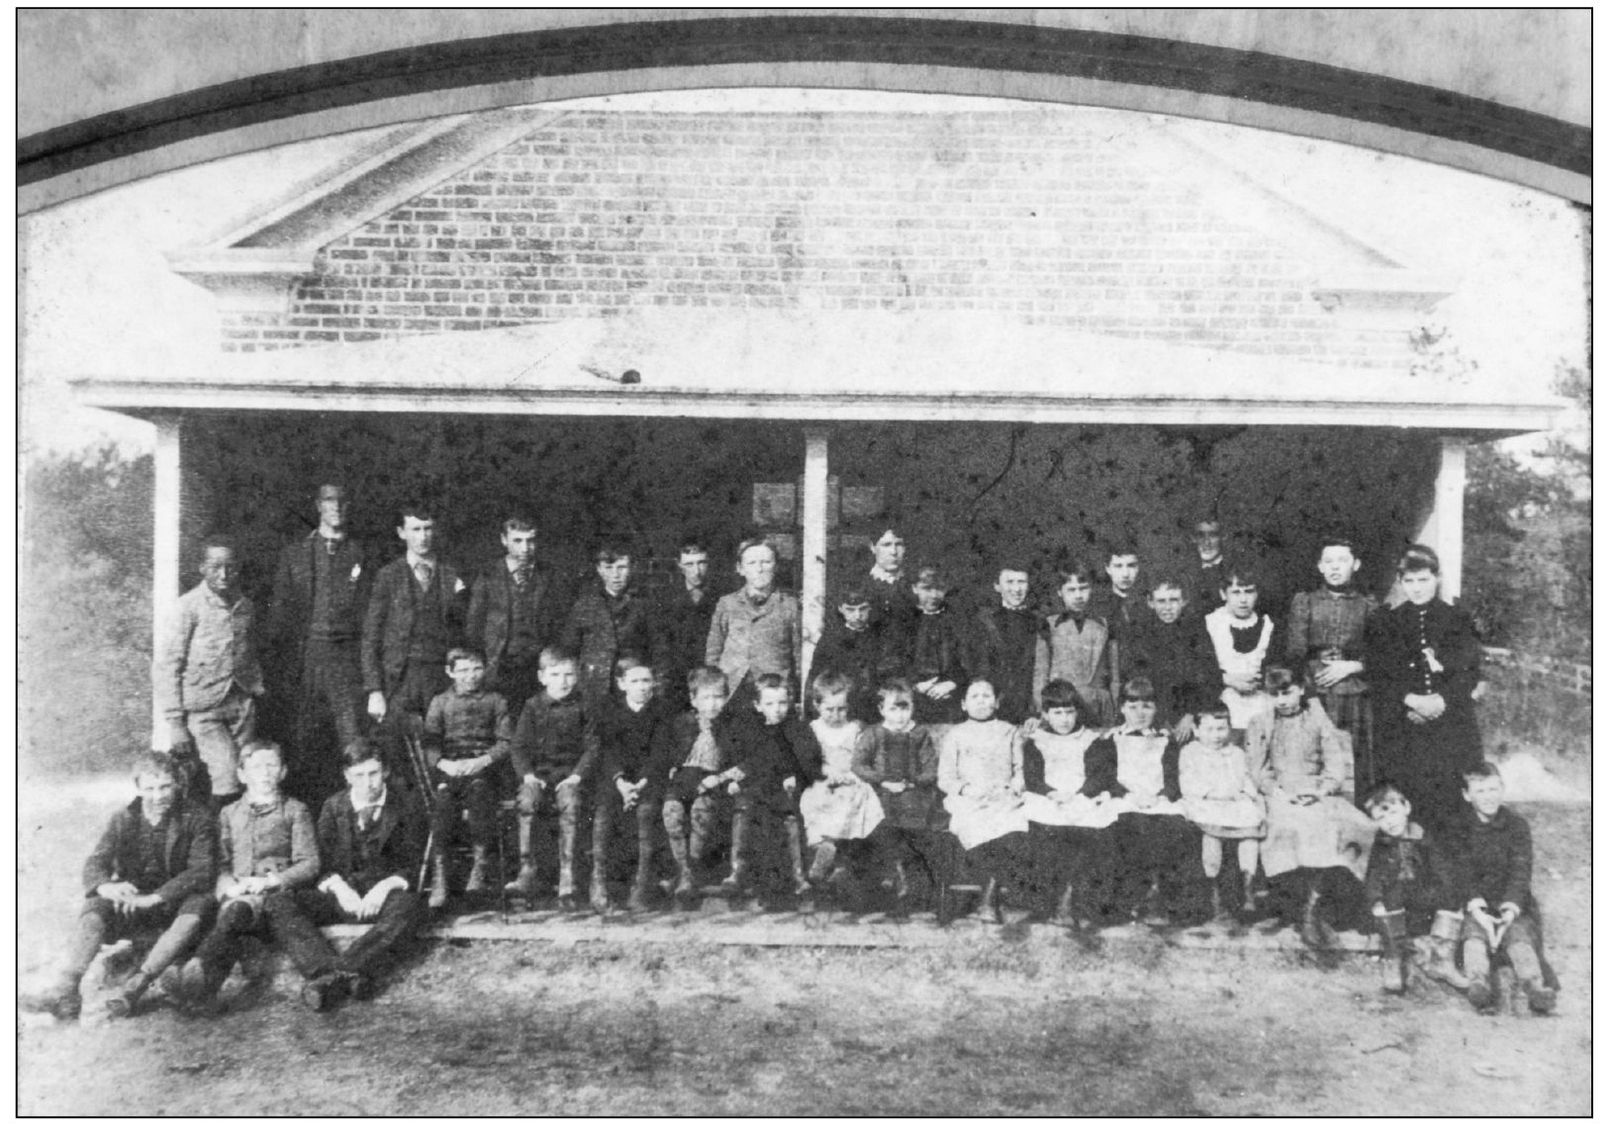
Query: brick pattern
point(1033, 215)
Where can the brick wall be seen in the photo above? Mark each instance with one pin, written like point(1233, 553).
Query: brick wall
point(1034, 215)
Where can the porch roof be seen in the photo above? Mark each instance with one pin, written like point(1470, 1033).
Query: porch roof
point(820, 365)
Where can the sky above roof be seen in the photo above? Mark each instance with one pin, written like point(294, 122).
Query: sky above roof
point(1518, 257)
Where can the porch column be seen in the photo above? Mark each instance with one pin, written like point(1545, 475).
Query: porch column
point(167, 493)
point(814, 544)
point(1443, 529)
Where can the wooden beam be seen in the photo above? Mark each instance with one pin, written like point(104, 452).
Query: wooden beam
point(1443, 529)
point(167, 532)
point(814, 543)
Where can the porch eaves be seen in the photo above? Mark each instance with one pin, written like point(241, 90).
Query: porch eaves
point(820, 365)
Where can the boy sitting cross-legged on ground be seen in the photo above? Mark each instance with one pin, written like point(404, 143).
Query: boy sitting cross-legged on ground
point(371, 840)
point(1490, 857)
point(266, 845)
point(467, 735)
point(777, 757)
point(898, 758)
point(1406, 891)
point(548, 753)
point(695, 762)
point(152, 870)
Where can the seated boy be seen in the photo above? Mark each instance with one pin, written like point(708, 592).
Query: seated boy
point(622, 753)
point(777, 757)
point(1490, 856)
point(266, 845)
point(932, 653)
point(899, 759)
point(1075, 647)
point(694, 762)
point(1404, 890)
point(151, 871)
point(547, 753)
point(371, 840)
point(852, 647)
point(467, 734)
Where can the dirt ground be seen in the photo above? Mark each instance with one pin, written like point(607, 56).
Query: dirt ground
point(1018, 1020)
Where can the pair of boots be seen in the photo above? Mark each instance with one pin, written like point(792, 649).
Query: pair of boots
point(1396, 950)
point(525, 885)
point(475, 882)
point(739, 877)
point(1245, 911)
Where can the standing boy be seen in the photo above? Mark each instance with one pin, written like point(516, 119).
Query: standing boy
point(1173, 650)
point(322, 584)
point(151, 871)
point(509, 620)
point(370, 840)
point(1074, 647)
point(416, 614)
point(1205, 589)
point(756, 630)
point(1118, 605)
point(206, 673)
point(467, 735)
point(607, 621)
point(1005, 643)
point(682, 618)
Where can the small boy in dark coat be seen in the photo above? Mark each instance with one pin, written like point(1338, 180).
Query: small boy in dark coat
point(548, 754)
point(1491, 858)
point(777, 757)
point(625, 751)
point(1404, 887)
point(151, 870)
point(693, 757)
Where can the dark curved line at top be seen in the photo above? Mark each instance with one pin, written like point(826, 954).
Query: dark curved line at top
point(984, 46)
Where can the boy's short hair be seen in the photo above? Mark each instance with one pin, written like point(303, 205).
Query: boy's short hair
point(150, 763)
point(552, 655)
point(1335, 539)
point(1280, 675)
point(770, 681)
point(853, 592)
point(610, 550)
point(1381, 794)
point(707, 677)
point(1010, 563)
point(755, 541)
point(877, 531)
point(1120, 549)
point(362, 750)
point(519, 521)
point(1216, 710)
point(627, 662)
point(418, 509)
point(693, 545)
point(826, 684)
point(1481, 772)
point(259, 746)
point(1166, 582)
point(1418, 558)
point(1063, 693)
point(931, 575)
point(219, 540)
point(1080, 570)
point(895, 688)
point(1139, 689)
point(1240, 572)
point(971, 681)
point(460, 652)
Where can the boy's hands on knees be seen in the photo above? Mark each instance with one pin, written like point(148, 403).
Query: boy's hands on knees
point(377, 706)
point(118, 892)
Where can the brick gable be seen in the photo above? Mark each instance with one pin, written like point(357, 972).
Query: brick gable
point(1038, 215)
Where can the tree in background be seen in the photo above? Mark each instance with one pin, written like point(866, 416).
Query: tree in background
point(84, 612)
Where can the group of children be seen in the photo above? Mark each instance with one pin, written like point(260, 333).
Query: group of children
point(1003, 750)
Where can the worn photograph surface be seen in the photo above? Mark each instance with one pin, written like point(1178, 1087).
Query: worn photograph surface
point(653, 565)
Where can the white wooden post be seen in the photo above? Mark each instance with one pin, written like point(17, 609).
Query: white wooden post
point(167, 493)
point(1443, 529)
point(814, 544)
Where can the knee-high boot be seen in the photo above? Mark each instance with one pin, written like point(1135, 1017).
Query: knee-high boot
point(798, 868)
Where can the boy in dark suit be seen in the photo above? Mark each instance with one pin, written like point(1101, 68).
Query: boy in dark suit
point(322, 584)
point(151, 870)
point(416, 614)
point(370, 841)
point(776, 757)
point(511, 614)
point(683, 618)
point(607, 621)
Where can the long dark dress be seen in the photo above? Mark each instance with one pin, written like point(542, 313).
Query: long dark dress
point(1425, 759)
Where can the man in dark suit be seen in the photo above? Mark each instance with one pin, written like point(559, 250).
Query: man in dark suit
point(416, 614)
point(512, 614)
point(370, 841)
point(683, 619)
point(315, 623)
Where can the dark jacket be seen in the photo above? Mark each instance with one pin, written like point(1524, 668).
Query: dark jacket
point(599, 631)
point(293, 846)
point(1406, 870)
point(400, 841)
point(624, 744)
point(680, 628)
point(1491, 861)
point(391, 616)
point(911, 756)
point(1004, 651)
point(550, 739)
point(494, 603)
point(861, 657)
point(768, 755)
point(190, 854)
point(1179, 660)
point(935, 646)
point(1396, 667)
point(291, 608)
